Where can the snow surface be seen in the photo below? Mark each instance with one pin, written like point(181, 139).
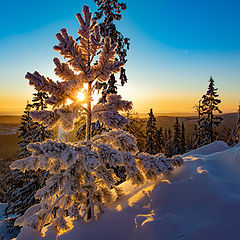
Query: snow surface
point(201, 200)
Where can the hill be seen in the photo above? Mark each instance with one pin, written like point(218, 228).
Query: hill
point(201, 200)
point(10, 119)
point(167, 122)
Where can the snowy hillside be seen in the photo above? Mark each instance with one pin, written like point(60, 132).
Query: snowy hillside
point(201, 200)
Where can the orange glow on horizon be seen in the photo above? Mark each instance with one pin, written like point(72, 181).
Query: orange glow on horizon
point(172, 105)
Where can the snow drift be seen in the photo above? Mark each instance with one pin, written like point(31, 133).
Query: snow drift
point(201, 200)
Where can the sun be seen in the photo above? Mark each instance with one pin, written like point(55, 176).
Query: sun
point(81, 96)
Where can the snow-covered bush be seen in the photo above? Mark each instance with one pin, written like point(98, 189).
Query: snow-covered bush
point(82, 179)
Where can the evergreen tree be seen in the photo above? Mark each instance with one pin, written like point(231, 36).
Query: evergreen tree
point(177, 137)
point(165, 135)
point(209, 120)
point(82, 179)
point(110, 11)
point(160, 145)
point(183, 139)
point(39, 100)
point(20, 188)
point(136, 127)
point(169, 134)
point(198, 132)
point(24, 129)
point(169, 146)
point(31, 131)
point(151, 129)
point(189, 143)
point(235, 136)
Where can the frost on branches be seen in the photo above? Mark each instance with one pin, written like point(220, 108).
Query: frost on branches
point(82, 179)
point(90, 62)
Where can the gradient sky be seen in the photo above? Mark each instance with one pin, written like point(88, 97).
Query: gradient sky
point(175, 47)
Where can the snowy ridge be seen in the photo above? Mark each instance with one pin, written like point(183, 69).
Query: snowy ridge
point(201, 200)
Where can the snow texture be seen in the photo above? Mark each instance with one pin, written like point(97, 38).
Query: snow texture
point(201, 200)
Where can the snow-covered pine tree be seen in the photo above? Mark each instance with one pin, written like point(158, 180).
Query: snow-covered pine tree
point(160, 144)
point(197, 131)
point(82, 179)
point(177, 137)
point(20, 188)
point(235, 136)
point(151, 129)
point(189, 143)
point(169, 145)
point(209, 107)
point(31, 131)
point(110, 11)
point(24, 129)
point(136, 127)
point(39, 132)
point(183, 139)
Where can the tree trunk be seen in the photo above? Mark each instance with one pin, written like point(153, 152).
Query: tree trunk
point(211, 127)
point(89, 113)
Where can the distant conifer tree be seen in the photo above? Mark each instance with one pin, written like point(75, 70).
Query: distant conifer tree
point(20, 187)
point(24, 129)
point(169, 146)
point(183, 139)
point(177, 137)
point(209, 121)
point(136, 127)
point(197, 131)
point(160, 144)
point(165, 135)
point(189, 143)
point(235, 136)
point(151, 129)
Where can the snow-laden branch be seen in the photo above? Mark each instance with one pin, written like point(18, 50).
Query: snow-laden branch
point(84, 176)
point(108, 113)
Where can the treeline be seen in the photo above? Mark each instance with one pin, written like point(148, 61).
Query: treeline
point(175, 140)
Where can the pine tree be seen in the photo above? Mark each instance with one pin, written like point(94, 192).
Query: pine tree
point(20, 188)
point(160, 145)
point(197, 131)
point(136, 127)
point(151, 129)
point(177, 137)
point(209, 120)
point(31, 131)
point(82, 180)
point(169, 145)
point(183, 139)
point(24, 129)
point(235, 136)
point(110, 11)
point(189, 143)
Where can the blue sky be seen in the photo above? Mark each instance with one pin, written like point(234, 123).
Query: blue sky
point(175, 47)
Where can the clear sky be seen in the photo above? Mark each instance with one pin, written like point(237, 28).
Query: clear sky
point(175, 47)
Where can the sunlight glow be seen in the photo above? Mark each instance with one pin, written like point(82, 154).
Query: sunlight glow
point(81, 96)
point(69, 101)
point(140, 218)
point(140, 195)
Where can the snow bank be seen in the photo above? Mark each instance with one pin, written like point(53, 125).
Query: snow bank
point(214, 147)
point(201, 200)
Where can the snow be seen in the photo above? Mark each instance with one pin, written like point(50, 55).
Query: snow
point(201, 200)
